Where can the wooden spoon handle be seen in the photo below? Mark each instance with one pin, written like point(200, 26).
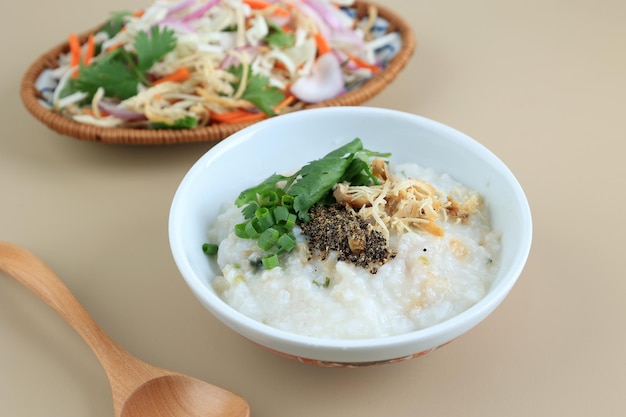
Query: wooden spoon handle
point(125, 372)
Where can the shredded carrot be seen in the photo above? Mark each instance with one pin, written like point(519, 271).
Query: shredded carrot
point(260, 5)
point(322, 44)
point(241, 115)
point(180, 75)
point(257, 4)
point(91, 49)
point(113, 47)
point(74, 43)
point(278, 11)
point(229, 114)
point(237, 116)
point(92, 113)
point(286, 102)
point(252, 117)
point(363, 64)
point(280, 65)
point(138, 13)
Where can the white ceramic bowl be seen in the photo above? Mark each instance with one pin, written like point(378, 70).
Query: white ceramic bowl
point(287, 142)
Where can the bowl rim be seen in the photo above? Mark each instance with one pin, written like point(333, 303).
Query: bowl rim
point(459, 323)
point(127, 136)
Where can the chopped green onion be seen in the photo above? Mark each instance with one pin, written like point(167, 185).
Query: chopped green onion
point(287, 201)
point(268, 238)
point(270, 261)
point(240, 230)
point(286, 242)
point(290, 222)
point(281, 230)
point(280, 214)
point(253, 229)
point(264, 217)
point(325, 284)
point(269, 199)
point(209, 248)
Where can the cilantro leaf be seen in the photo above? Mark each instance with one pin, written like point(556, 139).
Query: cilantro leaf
point(359, 171)
point(121, 71)
point(278, 37)
point(249, 195)
point(262, 95)
point(317, 179)
point(258, 91)
point(152, 48)
point(186, 122)
point(349, 148)
point(314, 182)
point(111, 73)
point(115, 24)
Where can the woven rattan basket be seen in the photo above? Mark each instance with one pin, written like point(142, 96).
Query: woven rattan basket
point(215, 132)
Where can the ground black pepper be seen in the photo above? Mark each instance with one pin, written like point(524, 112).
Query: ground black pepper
point(340, 229)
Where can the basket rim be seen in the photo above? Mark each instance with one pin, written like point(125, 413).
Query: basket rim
point(212, 133)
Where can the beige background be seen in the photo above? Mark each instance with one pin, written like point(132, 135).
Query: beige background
point(541, 83)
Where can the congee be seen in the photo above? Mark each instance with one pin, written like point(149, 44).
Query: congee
point(351, 246)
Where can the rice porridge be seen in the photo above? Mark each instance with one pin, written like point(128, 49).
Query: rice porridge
point(432, 276)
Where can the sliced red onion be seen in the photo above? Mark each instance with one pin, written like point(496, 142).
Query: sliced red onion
point(176, 25)
point(321, 24)
point(118, 111)
point(325, 82)
point(333, 26)
point(326, 13)
point(231, 60)
point(180, 6)
point(201, 11)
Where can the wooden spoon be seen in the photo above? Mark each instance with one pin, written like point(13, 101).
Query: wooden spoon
point(139, 389)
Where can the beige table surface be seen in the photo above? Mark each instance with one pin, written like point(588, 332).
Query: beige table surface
point(541, 83)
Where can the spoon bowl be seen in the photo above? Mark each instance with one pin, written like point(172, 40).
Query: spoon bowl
point(138, 389)
point(186, 396)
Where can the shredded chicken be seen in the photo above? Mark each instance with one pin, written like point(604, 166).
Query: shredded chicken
point(404, 204)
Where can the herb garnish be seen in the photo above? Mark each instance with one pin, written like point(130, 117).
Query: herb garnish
point(116, 23)
point(324, 284)
point(258, 91)
point(120, 72)
point(210, 249)
point(186, 122)
point(272, 210)
point(278, 37)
